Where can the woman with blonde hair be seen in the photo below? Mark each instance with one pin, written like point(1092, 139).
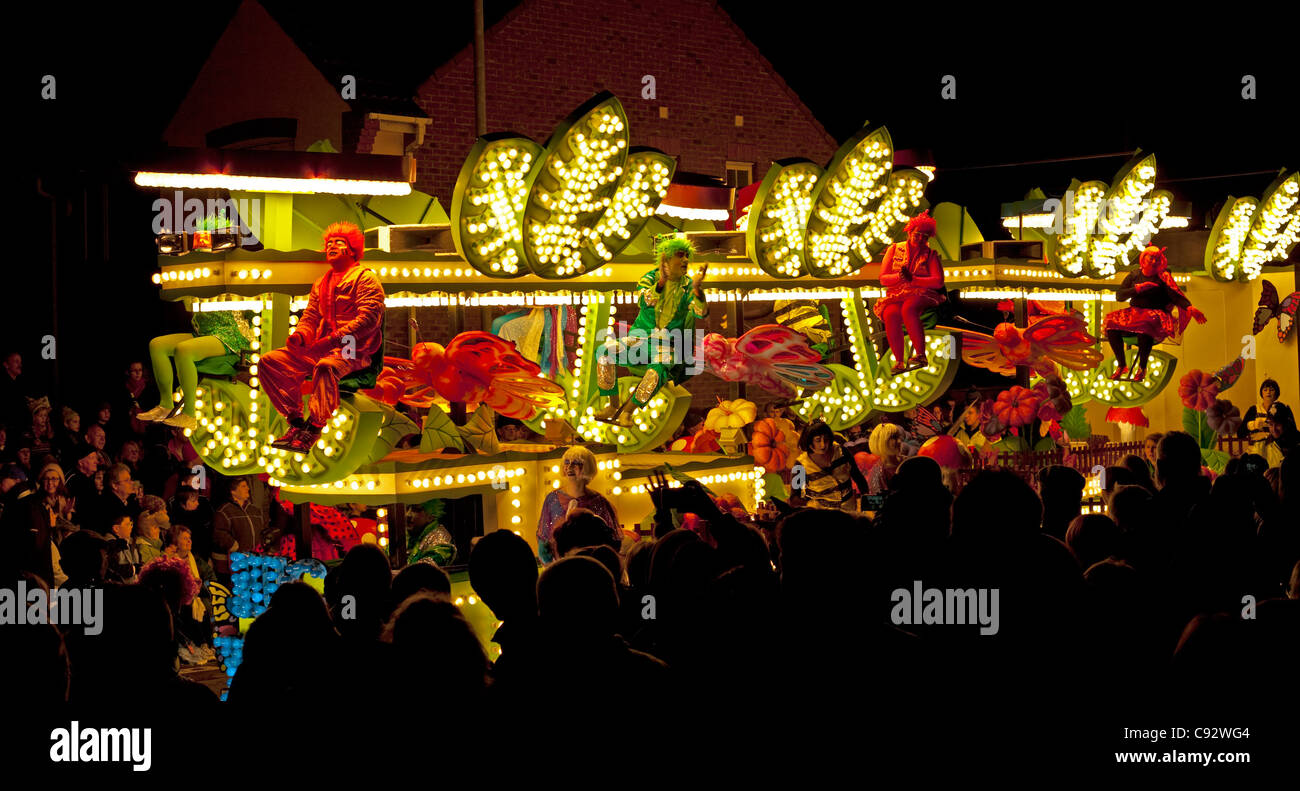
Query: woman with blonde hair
point(887, 444)
point(577, 470)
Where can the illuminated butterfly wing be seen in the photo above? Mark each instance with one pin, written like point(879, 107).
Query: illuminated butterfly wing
point(220, 593)
point(772, 352)
point(1286, 315)
point(1230, 373)
point(804, 317)
point(982, 351)
point(1064, 339)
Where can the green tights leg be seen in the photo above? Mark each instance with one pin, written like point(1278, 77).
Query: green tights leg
point(187, 350)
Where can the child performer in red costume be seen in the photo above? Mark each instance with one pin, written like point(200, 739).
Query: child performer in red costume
point(913, 281)
point(1151, 294)
point(338, 333)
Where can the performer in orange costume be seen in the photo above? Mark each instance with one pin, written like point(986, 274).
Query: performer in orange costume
point(913, 281)
point(339, 332)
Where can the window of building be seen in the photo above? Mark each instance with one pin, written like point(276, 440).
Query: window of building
point(740, 174)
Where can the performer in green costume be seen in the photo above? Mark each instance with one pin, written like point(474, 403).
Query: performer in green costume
point(670, 301)
point(216, 334)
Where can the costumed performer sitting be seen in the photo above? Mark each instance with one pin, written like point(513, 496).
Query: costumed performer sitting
point(216, 333)
point(1152, 295)
point(578, 467)
point(913, 279)
point(669, 302)
point(341, 328)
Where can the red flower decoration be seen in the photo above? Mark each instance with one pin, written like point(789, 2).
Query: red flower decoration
point(1198, 390)
point(1016, 407)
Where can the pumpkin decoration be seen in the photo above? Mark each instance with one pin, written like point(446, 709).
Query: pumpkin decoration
point(770, 445)
point(1017, 406)
point(865, 461)
point(731, 414)
point(945, 450)
point(702, 441)
point(1198, 390)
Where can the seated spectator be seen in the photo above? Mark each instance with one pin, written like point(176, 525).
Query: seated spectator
point(172, 578)
point(123, 556)
point(190, 508)
point(120, 500)
point(153, 525)
point(196, 622)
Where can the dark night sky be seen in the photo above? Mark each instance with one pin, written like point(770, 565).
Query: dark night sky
point(1031, 85)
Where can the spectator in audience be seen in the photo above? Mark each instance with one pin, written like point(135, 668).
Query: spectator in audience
point(190, 508)
point(237, 526)
point(119, 500)
point(581, 528)
point(123, 556)
point(68, 440)
point(14, 392)
point(503, 571)
point(1150, 446)
point(40, 437)
point(295, 631)
point(195, 620)
point(153, 525)
point(419, 577)
point(1093, 538)
point(1061, 489)
point(430, 637)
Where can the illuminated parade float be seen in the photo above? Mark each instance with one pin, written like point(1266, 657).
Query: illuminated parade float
point(558, 246)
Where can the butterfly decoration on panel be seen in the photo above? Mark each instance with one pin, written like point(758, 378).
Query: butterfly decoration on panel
point(769, 356)
point(1270, 308)
point(474, 368)
point(1055, 339)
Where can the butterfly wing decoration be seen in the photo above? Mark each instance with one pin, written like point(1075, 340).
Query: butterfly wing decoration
point(1268, 307)
point(778, 359)
point(514, 384)
point(983, 351)
point(926, 424)
point(1063, 339)
point(220, 594)
point(1286, 316)
point(1230, 373)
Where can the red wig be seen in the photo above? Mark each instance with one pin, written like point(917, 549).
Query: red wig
point(921, 222)
point(1155, 256)
point(350, 234)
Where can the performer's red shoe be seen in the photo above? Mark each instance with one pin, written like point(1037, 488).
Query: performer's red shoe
point(1119, 374)
point(1139, 374)
point(286, 440)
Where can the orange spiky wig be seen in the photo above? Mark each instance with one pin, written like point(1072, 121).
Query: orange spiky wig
point(1154, 257)
point(350, 234)
point(921, 222)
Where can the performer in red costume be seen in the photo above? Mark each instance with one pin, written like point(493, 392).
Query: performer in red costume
point(913, 281)
point(339, 332)
point(1152, 295)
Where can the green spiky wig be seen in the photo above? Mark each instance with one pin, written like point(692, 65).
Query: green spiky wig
point(673, 245)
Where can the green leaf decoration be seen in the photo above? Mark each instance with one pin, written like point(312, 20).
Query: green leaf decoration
point(575, 187)
point(1106, 226)
point(778, 221)
point(1075, 423)
point(439, 432)
point(1216, 460)
point(487, 211)
point(1250, 232)
point(1194, 423)
point(479, 432)
point(1095, 384)
point(857, 180)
